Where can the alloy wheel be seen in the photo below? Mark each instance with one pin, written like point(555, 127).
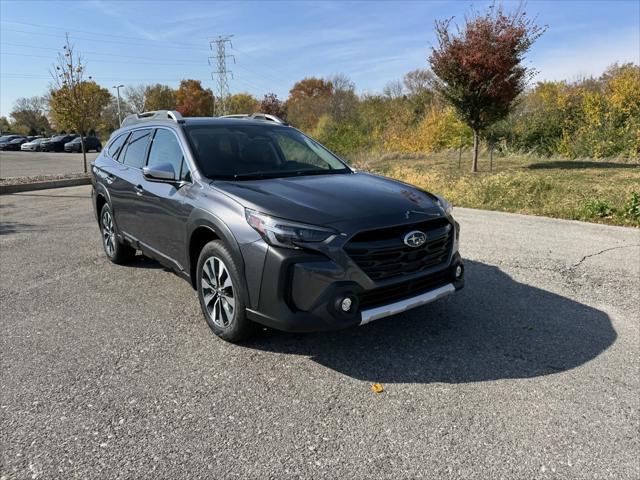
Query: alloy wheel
point(218, 292)
point(108, 233)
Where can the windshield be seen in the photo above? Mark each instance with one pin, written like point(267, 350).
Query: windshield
point(57, 138)
point(259, 151)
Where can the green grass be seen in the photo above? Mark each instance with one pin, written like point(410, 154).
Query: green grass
point(589, 190)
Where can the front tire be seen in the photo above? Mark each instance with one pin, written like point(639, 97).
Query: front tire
point(116, 251)
point(221, 293)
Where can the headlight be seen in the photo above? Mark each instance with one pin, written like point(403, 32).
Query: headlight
point(446, 206)
point(284, 233)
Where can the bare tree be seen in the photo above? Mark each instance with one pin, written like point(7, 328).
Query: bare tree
point(393, 89)
point(343, 105)
point(418, 81)
point(76, 103)
point(135, 98)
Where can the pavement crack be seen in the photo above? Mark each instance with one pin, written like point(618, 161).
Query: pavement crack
point(601, 252)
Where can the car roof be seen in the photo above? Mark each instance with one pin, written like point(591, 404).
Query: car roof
point(196, 121)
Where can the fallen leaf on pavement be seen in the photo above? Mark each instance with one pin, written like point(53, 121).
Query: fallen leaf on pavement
point(377, 388)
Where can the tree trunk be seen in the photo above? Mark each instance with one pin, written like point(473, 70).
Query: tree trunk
point(84, 153)
point(476, 146)
point(491, 157)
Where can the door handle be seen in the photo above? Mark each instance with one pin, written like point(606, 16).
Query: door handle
point(139, 190)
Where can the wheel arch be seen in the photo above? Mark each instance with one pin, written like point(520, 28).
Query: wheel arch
point(204, 227)
point(102, 198)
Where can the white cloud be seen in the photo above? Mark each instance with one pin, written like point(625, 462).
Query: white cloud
point(589, 58)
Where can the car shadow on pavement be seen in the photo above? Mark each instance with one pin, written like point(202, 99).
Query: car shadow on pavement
point(142, 261)
point(495, 328)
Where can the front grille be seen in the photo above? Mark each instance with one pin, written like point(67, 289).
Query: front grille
point(382, 253)
point(385, 295)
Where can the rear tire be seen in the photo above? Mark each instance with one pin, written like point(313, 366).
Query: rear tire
point(116, 251)
point(221, 293)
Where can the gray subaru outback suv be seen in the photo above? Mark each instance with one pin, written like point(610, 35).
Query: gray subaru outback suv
point(268, 226)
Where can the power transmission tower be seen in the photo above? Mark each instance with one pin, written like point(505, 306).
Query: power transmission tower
point(220, 59)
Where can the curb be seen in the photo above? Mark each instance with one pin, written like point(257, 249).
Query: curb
point(27, 187)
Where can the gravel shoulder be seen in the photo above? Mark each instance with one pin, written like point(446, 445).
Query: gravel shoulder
point(111, 372)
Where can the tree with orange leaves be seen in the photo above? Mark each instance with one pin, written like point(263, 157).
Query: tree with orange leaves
point(194, 101)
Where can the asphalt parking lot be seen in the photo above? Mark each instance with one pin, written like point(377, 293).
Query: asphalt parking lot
point(28, 164)
point(111, 372)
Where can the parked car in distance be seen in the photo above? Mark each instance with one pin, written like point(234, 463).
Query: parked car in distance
point(268, 226)
point(56, 143)
point(13, 144)
point(7, 138)
point(90, 143)
point(33, 145)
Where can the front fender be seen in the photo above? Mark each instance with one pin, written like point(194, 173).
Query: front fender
point(203, 218)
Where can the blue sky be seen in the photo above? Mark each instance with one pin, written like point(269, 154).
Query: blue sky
point(277, 43)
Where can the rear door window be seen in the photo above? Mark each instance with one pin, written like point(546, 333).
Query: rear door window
point(136, 152)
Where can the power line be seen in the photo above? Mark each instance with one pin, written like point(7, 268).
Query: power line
point(143, 60)
point(264, 66)
point(105, 41)
point(90, 52)
point(109, 61)
point(221, 61)
point(93, 77)
point(101, 34)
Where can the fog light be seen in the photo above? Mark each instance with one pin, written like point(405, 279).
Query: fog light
point(346, 304)
point(459, 271)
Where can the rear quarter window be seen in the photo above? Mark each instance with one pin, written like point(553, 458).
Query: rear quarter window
point(116, 146)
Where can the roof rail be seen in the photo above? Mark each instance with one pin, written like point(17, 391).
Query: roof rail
point(257, 116)
point(153, 115)
point(268, 117)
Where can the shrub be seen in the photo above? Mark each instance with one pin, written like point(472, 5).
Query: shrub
point(598, 208)
point(632, 207)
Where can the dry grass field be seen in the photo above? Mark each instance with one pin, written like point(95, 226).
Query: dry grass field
point(602, 191)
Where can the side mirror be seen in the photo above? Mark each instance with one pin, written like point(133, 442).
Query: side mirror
point(162, 172)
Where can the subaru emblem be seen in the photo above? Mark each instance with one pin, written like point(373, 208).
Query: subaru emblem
point(415, 238)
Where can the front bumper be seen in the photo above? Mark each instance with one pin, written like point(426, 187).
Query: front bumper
point(303, 292)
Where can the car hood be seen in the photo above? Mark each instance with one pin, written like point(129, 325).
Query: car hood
point(335, 199)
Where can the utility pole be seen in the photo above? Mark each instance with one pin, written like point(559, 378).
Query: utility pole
point(218, 46)
point(118, 87)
